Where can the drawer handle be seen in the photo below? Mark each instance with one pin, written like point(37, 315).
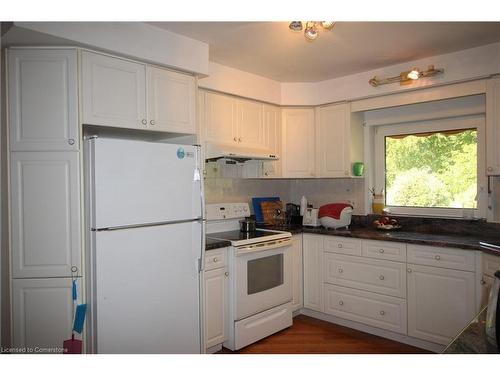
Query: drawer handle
point(340, 246)
point(409, 270)
point(381, 277)
point(216, 260)
point(341, 302)
point(341, 270)
point(382, 312)
point(437, 257)
point(381, 251)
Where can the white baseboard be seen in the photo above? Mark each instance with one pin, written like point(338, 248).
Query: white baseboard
point(213, 349)
point(433, 347)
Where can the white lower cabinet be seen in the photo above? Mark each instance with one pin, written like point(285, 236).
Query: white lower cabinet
point(369, 308)
point(440, 302)
point(297, 279)
point(43, 313)
point(216, 297)
point(313, 265)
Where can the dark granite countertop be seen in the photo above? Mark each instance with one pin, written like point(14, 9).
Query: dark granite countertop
point(453, 240)
point(472, 340)
point(212, 244)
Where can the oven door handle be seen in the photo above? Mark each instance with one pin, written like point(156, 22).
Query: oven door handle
point(263, 246)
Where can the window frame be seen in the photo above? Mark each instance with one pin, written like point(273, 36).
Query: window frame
point(435, 125)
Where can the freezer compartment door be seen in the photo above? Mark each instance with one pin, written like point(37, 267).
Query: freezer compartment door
point(146, 289)
point(137, 182)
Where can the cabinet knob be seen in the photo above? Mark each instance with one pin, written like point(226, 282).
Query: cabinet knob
point(341, 302)
point(382, 312)
point(381, 277)
point(409, 270)
point(482, 282)
point(340, 246)
point(71, 141)
point(226, 274)
point(235, 139)
point(341, 270)
point(240, 139)
point(437, 257)
point(215, 260)
point(489, 169)
point(381, 251)
point(74, 269)
point(346, 173)
point(152, 122)
point(144, 121)
point(266, 174)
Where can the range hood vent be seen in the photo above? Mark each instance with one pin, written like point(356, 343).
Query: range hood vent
point(215, 151)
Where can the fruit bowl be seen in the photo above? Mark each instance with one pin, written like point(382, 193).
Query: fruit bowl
point(386, 223)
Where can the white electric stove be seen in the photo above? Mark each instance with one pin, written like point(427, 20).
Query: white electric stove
point(260, 275)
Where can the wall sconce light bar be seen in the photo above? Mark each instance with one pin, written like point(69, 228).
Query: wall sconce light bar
point(405, 77)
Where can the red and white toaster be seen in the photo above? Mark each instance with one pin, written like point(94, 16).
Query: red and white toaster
point(335, 215)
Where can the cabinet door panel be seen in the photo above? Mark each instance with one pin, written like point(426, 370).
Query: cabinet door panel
point(220, 119)
point(43, 101)
point(298, 143)
point(493, 126)
point(171, 101)
point(313, 272)
point(440, 302)
point(45, 214)
point(250, 124)
point(113, 92)
point(332, 141)
point(42, 313)
point(272, 131)
point(216, 304)
point(297, 274)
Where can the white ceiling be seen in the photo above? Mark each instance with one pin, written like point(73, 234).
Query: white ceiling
point(271, 50)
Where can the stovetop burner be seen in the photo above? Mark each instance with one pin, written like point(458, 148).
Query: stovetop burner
point(237, 235)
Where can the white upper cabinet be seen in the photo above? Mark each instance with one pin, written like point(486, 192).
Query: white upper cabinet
point(220, 119)
point(45, 214)
point(332, 141)
point(250, 124)
point(43, 99)
point(272, 131)
point(493, 126)
point(171, 101)
point(298, 143)
point(113, 92)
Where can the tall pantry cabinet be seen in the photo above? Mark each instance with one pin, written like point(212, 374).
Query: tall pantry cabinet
point(44, 194)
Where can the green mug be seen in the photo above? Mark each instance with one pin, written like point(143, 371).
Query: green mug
point(358, 168)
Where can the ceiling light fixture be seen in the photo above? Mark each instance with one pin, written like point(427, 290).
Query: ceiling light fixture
point(406, 77)
point(311, 28)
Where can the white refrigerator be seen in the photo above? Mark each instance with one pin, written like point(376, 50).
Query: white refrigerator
point(146, 237)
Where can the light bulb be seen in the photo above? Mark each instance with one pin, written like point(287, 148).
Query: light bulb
point(327, 24)
point(295, 26)
point(311, 33)
point(413, 74)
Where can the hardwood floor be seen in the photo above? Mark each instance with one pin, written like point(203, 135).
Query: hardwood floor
point(313, 336)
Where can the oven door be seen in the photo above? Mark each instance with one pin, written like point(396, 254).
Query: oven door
point(263, 277)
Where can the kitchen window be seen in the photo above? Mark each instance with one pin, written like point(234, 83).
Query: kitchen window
point(431, 168)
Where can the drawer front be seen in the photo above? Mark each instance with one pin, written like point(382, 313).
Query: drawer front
point(215, 259)
point(379, 276)
point(384, 250)
point(491, 264)
point(365, 307)
point(341, 245)
point(441, 257)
